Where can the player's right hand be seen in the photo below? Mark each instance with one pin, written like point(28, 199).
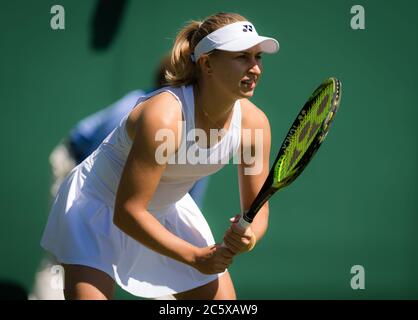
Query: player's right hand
point(213, 259)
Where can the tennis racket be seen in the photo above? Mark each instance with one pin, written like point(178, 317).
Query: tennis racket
point(302, 141)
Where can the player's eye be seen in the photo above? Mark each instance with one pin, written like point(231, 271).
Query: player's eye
point(241, 56)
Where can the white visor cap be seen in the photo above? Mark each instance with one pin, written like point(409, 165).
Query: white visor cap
point(237, 36)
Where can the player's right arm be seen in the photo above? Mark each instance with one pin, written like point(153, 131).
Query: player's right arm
point(140, 178)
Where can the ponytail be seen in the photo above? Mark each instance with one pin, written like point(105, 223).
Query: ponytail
point(182, 70)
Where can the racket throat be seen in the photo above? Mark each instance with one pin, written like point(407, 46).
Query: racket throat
point(259, 201)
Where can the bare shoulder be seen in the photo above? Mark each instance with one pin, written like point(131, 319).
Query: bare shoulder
point(252, 116)
point(160, 111)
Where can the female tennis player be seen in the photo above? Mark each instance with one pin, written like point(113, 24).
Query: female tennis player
point(124, 214)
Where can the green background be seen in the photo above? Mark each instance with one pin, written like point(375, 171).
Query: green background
point(356, 204)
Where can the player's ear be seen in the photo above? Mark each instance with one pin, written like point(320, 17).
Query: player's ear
point(205, 64)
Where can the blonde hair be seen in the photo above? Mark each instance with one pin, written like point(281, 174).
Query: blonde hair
point(181, 69)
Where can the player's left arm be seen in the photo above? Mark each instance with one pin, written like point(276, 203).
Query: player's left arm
point(253, 170)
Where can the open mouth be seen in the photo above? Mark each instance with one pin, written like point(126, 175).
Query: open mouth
point(249, 83)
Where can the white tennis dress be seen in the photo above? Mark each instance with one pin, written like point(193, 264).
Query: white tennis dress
point(80, 228)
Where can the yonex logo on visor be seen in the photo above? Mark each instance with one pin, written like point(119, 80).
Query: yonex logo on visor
point(237, 36)
point(247, 27)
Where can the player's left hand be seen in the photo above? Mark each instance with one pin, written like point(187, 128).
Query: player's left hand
point(239, 240)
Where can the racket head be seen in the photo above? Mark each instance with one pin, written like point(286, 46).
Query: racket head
point(305, 136)
point(307, 133)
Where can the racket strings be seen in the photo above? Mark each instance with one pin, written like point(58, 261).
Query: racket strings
point(309, 124)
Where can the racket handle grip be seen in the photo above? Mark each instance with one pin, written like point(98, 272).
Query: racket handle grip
point(242, 224)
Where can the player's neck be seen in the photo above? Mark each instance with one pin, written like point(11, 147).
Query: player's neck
point(212, 104)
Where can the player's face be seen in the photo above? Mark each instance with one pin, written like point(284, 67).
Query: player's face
point(237, 72)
